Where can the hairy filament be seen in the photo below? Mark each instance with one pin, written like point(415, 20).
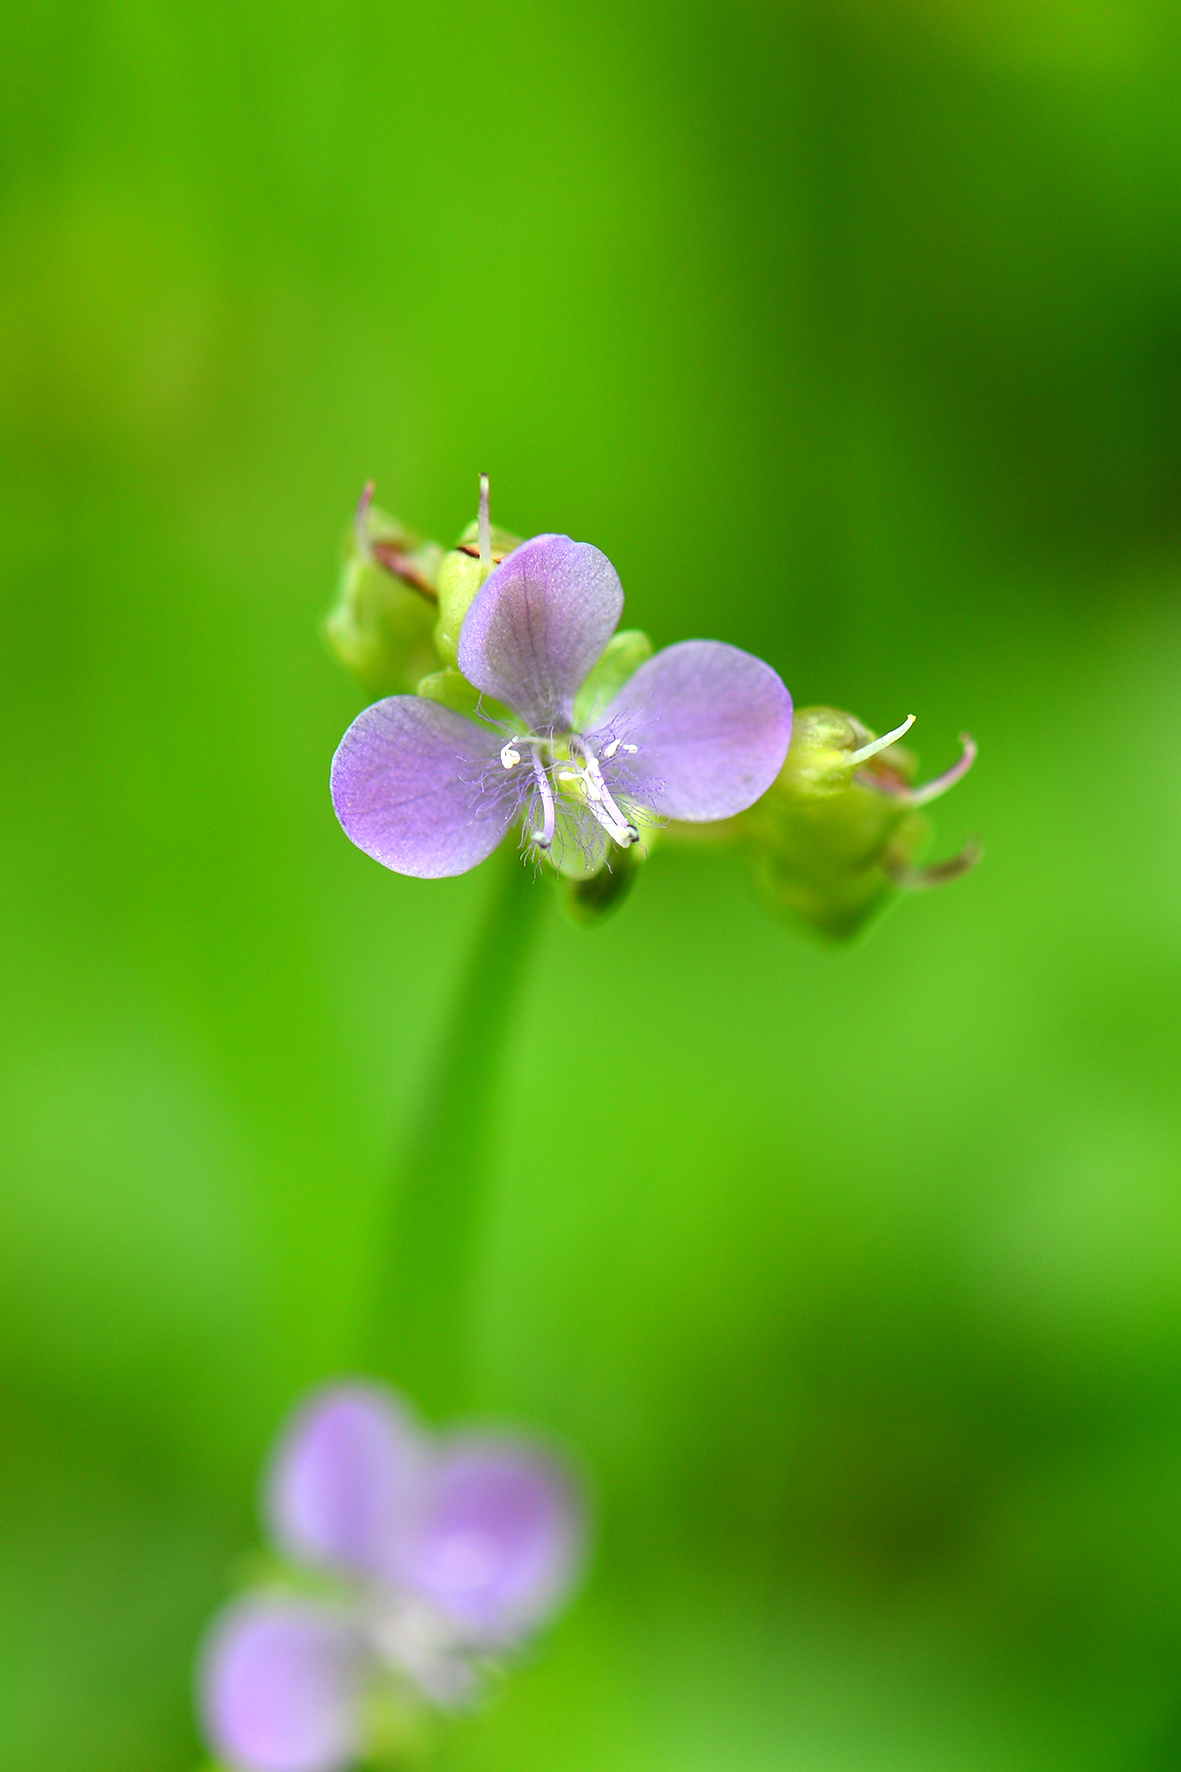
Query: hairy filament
point(545, 836)
point(601, 804)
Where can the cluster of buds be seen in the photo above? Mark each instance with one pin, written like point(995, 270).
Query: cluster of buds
point(511, 703)
point(402, 600)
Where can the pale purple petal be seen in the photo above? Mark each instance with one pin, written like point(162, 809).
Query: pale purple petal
point(344, 1480)
point(499, 1543)
point(281, 1688)
point(711, 725)
point(406, 787)
point(537, 626)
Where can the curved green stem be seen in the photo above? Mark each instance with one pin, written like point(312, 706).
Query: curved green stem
point(423, 1316)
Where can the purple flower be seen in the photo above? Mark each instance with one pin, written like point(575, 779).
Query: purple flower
point(425, 1557)
point(698, 732)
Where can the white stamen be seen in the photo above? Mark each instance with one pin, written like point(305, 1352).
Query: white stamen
point(483, 524)
point(622, 833)
point(602, 806)
point(509, 758)
point(879, 744)
point(545, 836)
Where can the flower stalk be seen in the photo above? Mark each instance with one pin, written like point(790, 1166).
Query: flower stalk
point(422, 1319)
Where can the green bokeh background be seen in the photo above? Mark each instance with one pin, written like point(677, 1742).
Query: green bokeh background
point(852, 332)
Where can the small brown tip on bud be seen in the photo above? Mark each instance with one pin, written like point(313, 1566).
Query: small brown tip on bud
point(938, 873)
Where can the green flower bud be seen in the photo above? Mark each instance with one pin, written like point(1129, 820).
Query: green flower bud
point(837, 833)
point(463, 571)
point(827, 748)
point(625, 652)
point(383, 624)
point(452, 689)
point(590, 898)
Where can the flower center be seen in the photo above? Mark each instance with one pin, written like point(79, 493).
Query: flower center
point(572, 767)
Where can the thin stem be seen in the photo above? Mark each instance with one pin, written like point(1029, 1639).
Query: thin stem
point(423, 1308)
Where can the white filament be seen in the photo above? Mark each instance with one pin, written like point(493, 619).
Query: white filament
point(545, 836)
point(483, 524)
point(879, 744)
point(602, 806)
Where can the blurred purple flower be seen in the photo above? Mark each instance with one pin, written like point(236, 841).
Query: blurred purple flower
point(699, 732)
point(432, 1556)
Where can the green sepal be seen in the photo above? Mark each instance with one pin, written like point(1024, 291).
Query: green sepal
point(382, 627)
point(461, 573)
point(591, 898)
point(624, 653)
point(400, 1730)
point(452, 690)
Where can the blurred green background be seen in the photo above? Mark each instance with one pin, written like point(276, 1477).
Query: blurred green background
point(852, 332)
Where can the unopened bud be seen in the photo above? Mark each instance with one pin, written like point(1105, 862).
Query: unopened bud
point(452, 690)
point(383, 624)
point(623, 655)
point(591, 898)
point(827, 749)
point(478, 551)
point(838, 831)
